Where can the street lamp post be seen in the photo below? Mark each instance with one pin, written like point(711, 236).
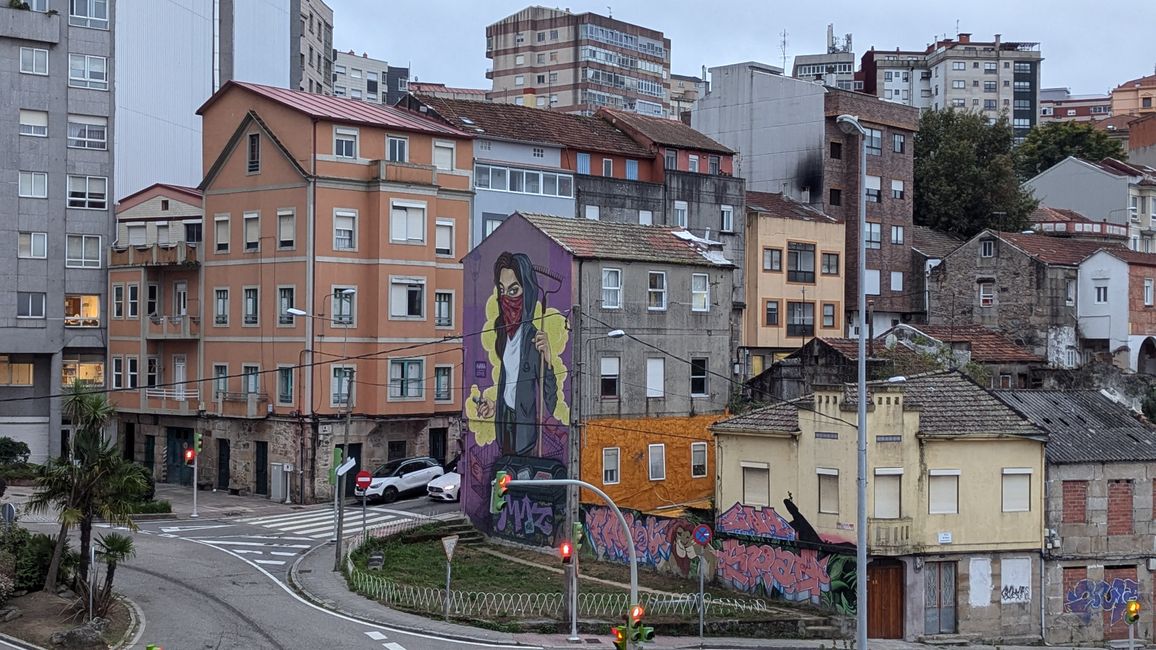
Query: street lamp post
point(849, 124)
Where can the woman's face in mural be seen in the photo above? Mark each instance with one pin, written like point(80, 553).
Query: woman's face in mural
point(508, 285)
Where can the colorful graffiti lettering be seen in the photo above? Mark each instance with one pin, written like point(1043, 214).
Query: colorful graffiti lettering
point(525, 519)
point(650, 535)
point(793, 575)
point(762, 522)
point(1090, 595)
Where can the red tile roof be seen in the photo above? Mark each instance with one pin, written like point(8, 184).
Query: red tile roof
point(1054, 250)
point(671, 133)
point(340, 109)
point(1142, 81)
point(525, 124)
point(777, 205)
point(934, 243)
point(589, 239)
point(1116, 123)
point(1134, 257)
point(1120, 167)
point(1045, 213)
point(987, 346)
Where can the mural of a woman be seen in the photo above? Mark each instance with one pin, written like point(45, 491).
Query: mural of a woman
point(527, 386)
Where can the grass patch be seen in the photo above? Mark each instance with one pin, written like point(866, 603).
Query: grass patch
point(152, 507)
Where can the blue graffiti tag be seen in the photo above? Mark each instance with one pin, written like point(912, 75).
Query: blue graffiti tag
point(1089, 595)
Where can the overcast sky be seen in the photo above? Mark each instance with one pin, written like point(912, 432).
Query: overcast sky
point(1087, 46)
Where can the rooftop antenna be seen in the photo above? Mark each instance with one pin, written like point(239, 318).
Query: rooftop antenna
point(610, 10)
point(957, 26)
point(783, 48)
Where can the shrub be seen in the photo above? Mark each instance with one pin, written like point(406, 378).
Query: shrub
point(150, 489)
point(20, 472)
point(13, 452)
point(7, 587)
point(31, 555)
point(151, 507)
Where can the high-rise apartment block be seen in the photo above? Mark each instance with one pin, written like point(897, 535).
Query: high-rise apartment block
point(578, 63)
point(835, 68)
point(315, 72)
point(370, 80)
point(57, 167)
point(991, 77)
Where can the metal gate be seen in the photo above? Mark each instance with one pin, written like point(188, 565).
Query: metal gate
point(939, 598)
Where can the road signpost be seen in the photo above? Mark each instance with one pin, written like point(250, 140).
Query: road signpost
point(363, 481)
point(702, 536)
point(449, 543)
point(342, 470)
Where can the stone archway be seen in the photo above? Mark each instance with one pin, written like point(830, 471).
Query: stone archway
point(1146, 359)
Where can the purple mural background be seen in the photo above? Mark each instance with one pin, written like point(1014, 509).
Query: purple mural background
point(520, 424)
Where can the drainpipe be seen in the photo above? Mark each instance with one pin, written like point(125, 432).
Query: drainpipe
point(310, 272)
point(1043, 553)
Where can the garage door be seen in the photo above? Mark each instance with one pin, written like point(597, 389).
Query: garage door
point(31, 431)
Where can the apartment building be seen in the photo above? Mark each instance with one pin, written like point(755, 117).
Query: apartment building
point(356, 215)
point(370, 80)
point(578, 63)
point(835, 67)
point(961, 73)
point(315, 72)
point(684, 92)
point(1115, 296)
point(1060, 105)
point(58, 171)
point(1135, 97)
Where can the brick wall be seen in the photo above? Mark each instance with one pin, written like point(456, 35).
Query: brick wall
point(1142, 319)
point(1073, 575)
point(1118, 629)
point(1120, 507)
point(1075, 502)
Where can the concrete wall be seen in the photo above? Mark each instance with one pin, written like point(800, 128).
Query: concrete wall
point(1107, 321)
point(1076, 185)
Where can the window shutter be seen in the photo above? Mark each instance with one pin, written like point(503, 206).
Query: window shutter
point(288, 227)
point(829, 493)
point(442, 242)
point(1016, 492)
point(34, 118)
point(222, 232)
point(415, 224)
point(136, 234)
point(398, 296)
point(397, 225)
point(873, 183)
point(887, 496)
point(943, 494)
point(252, 229)
point(610, 366)
point(756, 486)
point(655, 377)
point(443, 157)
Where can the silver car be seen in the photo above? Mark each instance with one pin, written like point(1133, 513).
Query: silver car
point(446, 487)
point(401, 476)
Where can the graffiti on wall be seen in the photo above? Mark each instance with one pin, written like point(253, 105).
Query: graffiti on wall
point(761, 522)
point(792, 574)
point(1015, 580)
point(516, 363)
point(1088, 596)
point(665, 544)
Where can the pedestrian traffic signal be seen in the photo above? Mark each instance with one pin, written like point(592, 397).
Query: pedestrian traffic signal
point(577, 536)
point(498, 492)
point(566, 550)
point(1133, 612)
point(197, 441)
point(619, 637)
point(645, 634)
point(190, 456)
point(636, 613)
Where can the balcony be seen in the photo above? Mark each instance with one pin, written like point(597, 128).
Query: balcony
point(29, 25)
point(174, 327)
point(242, 405)
point(890, 536)
point(178, 254)
point(401, 172)
point(174, 399)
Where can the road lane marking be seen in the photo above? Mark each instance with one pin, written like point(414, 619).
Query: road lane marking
point(393, 646)
point(375, 635)
point(238, 543)
point(281, 553)
point(272, 562)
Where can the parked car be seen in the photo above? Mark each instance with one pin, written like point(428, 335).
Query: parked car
point(446, 487)
point(400, 476)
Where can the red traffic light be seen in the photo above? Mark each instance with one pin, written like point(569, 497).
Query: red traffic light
point(503, 482)
point(190, 455)
point(619, 633)
point(636, 613)
point(567, 552)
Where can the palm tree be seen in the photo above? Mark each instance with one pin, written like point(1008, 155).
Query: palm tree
point(113, 548)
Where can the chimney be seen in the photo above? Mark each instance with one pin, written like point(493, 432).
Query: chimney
point(870, 328)
point(966, 38)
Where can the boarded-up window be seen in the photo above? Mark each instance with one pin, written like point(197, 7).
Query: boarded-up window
point(1075, 502)
point(655, 377)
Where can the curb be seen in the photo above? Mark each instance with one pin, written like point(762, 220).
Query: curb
point(19, 643)
point(136, 625)
point(297, 587)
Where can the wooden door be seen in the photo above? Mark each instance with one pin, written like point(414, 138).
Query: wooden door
point(885, 580)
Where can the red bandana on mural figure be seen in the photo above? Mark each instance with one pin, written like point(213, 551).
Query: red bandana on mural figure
point(511, 313)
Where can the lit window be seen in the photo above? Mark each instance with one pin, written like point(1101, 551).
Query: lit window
point(81, 310)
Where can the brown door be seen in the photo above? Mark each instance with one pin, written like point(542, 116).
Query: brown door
point(885, 599)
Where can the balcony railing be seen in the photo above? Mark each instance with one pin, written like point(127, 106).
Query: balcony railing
point(175, 393)
point(29, 25)
point(403, 172)
point(174, 327)
point(180, 253)
point(890, 536)
point(242, 405)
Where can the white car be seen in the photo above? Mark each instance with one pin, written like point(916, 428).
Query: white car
point(446, 487)
point(401, 476)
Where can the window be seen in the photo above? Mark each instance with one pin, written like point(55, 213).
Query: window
point(33, 245)
point(874, 189)
point(591, 212)
point(443, 376)
point(986, 294)
point(772, 259)
point(645, 218)
point(772, 313)
point(872, 282)
point(341, 386)
point(756, 484)
point(33, 185)
point(828, 490)
point(407, 223)
point(221, 307)
point(835, 197)
point(828, 315)
point(836, 150)
point(133, 374)
point(1023, 67)
point(655, 377)
point(1121, 506)
point(897, 192)
point(85, 71)
point(344, 142)
point(801, 319)
point(697, 459)
point(34, 123)
point(1017, 489)
point(611, 288)
point(700, 292)
point(88, 13)
point(874, 142)
point(656, 291)
point(830, 264)
point(874, 235)
point(343, 308)
point(444, 238)
point(631, 169)
point(443, 309)
point(989, 87)
point(285, 385)
point(134, 300)
point(252, 230)
point(284, 304)
point(959, 65)
point(251, 304)
point(943, 492)
point(81, 310)
point(538, 152)
point(344, 230)
point(406, 378)
point(728, 219)
point(698, 376)
point(254, 154)
point(14, 373)
point(657, 464)
point(1147, 292)
point(714, 165)
point(221, 226)
point(519, 101)
point(897, 281)
point(692, 164)
point(670, 160)
point(608, 373)
point(610, 468)
point(1102, 294)
point(82, 251)
point(152, 299)
point(607, 167)
point(407, 298)
point(88, 192)
point(443, 155)
point(29, 304)
point(33, 61)
point(118, 301)
point(959, 84)
point(888, 482)
point(398, 148)
point(118, 372)
point(520, 80)
point(583, 163)
point(1070, 292)
point(220, 378)
point(800, 262)
point(987, 248)
point(680, 214)
point(1025, 86)
point(959, 102)
point(286, 229)
point(898, 142)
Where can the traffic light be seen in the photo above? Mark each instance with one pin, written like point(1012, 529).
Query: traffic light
point(577, 536)
point(637, 631)
point(566, 550)
point(1133, 613)
point(498, 492)
point(645, 634)
point(636, 613)
point(619, 632)
point(190, 456)
point(197, 441)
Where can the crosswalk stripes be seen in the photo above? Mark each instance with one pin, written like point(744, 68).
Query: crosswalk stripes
point(388, 645)
point(266, 551)
point(318, 524)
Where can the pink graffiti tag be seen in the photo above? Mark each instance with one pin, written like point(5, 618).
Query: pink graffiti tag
point(762, 522)
point(796, 575)
point(651, 536)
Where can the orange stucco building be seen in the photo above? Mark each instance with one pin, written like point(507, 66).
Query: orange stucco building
point(355, 215)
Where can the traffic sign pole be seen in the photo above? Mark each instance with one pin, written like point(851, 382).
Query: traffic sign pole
point(702, 537)
point(449, 544)
point(363, 481)
point(196, 461)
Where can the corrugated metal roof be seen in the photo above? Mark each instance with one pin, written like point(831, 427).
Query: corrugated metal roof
point(1084, 426)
